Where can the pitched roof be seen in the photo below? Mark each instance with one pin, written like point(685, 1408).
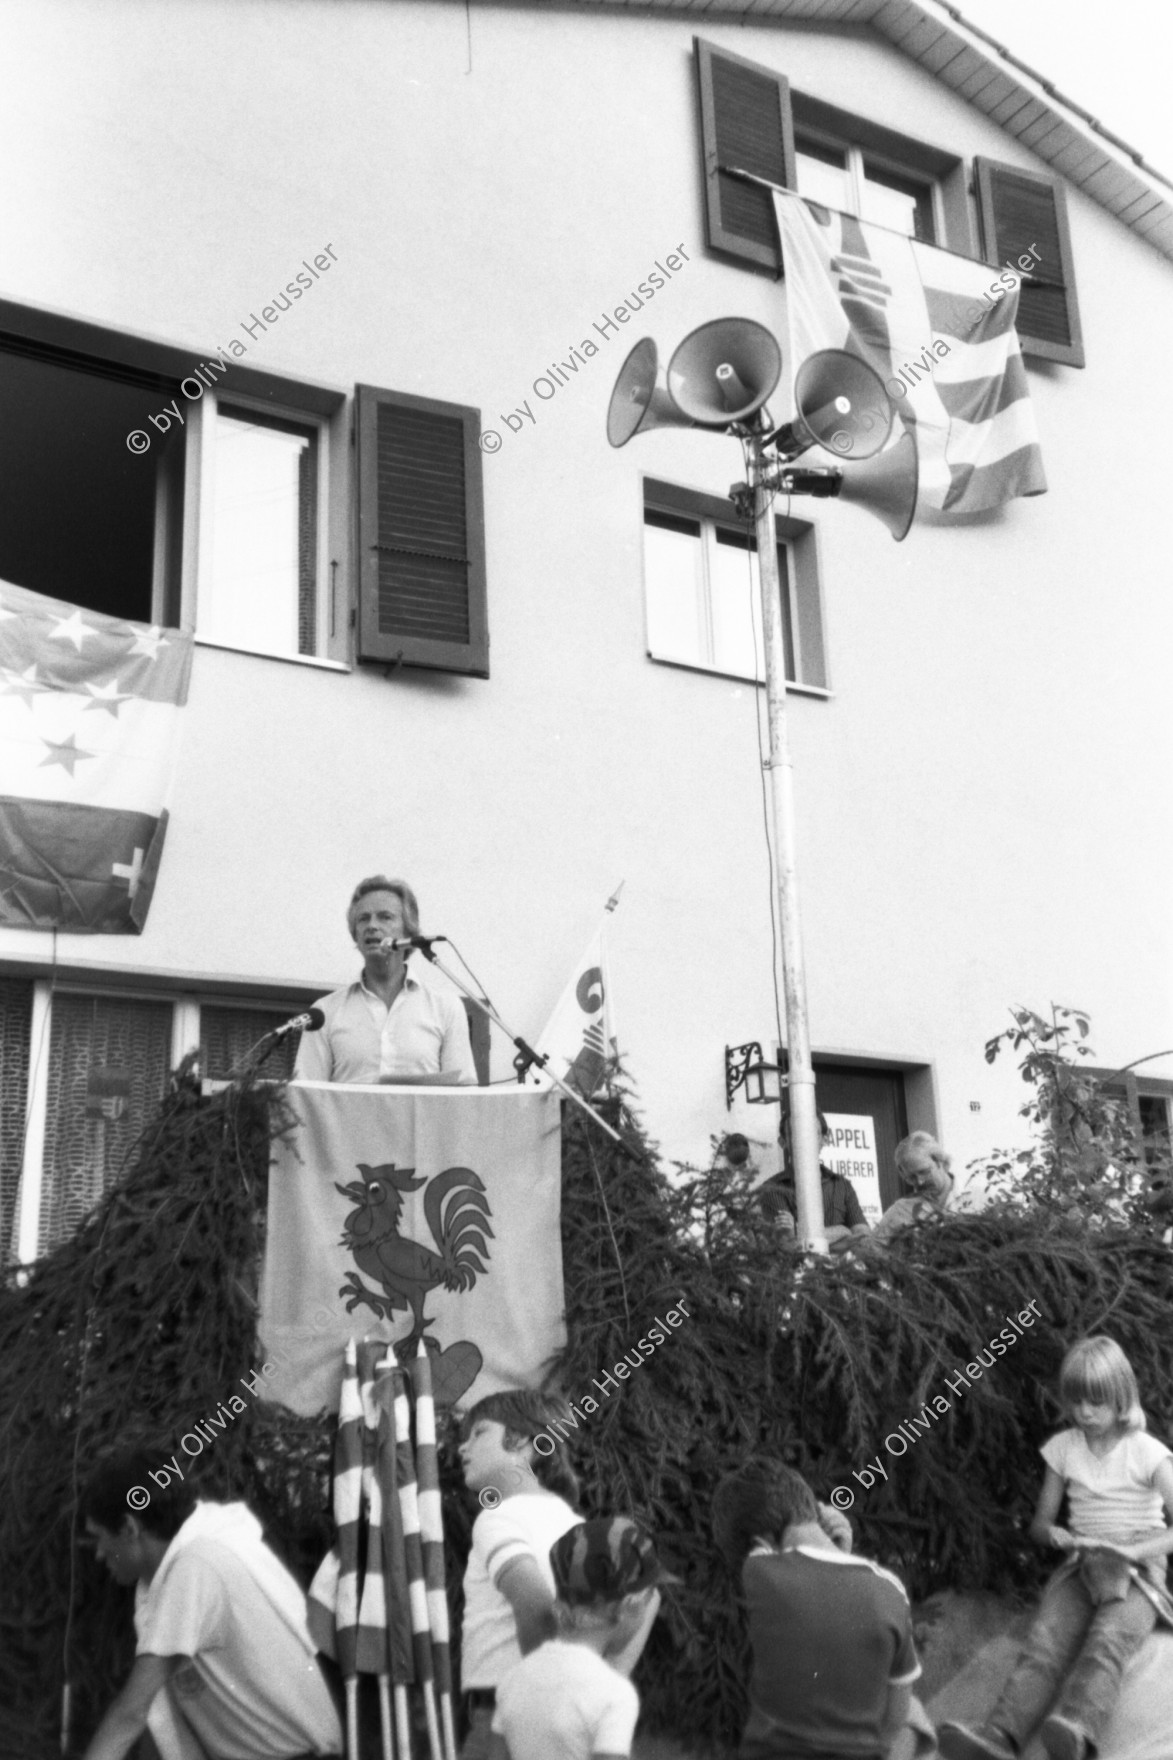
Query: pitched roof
point(983, 72)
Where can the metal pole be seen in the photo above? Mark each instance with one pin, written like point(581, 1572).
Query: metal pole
point(804, 1124)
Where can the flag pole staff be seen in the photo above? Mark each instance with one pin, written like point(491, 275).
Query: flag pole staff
point(804, 1124)
point(527, 1055)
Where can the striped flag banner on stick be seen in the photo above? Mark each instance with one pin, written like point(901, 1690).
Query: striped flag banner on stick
point(432, 1536)
point(413, 1556)
point(371, 1645)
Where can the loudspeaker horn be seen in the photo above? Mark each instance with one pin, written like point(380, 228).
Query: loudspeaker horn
point(638, 403)
point(724, 371)
point(842, 405)
point(886, 485)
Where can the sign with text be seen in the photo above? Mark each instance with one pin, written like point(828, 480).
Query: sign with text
point(852, 1153)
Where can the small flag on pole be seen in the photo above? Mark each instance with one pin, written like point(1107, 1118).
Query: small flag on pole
point(89, 711)
point(579, 1040)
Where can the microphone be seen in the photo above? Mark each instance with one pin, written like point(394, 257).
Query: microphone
point(309, 1022)
point(401, 942)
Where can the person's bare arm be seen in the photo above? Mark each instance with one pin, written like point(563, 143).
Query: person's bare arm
point(126, 1719)
point(625, 1658)
point(1042, 1529)
point(525, 1589)
point(895, 1713)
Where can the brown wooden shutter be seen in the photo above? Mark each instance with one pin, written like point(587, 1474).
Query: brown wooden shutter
point(1020, 209)
point(745, 123)
point(422, 594)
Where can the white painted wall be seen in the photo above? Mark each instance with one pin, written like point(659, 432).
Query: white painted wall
point(982, 805)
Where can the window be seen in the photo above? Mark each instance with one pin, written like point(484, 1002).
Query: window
point(16, 998)
point(229, 1033)
point(260, 537)
point(702, 593)
point(751, 120)
point(847, 178)
point(1020, 210)
point(107, 1072)
point(82, 1073)
point(421, 533)
point(83, 518)
point(109, 445)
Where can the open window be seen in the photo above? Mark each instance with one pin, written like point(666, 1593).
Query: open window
point(85, 516)
point(114, 448)
point(751, 120)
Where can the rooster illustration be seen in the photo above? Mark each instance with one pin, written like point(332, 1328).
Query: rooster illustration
point(457, 1214)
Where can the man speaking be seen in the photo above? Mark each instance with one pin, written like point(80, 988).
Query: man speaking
point(390, 1025)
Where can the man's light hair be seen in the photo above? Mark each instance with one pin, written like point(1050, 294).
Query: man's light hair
point(380, 883)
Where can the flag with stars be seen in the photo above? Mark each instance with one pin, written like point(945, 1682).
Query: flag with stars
point(89, 710)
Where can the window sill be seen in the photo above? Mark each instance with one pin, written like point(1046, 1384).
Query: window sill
point(270, 654)
point(793, 688)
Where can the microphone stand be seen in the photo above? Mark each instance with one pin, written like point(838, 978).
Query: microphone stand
point(527, 1056)
point(266, 1045)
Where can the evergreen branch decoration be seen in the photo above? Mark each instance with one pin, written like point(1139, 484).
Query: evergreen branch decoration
point(140, 1324)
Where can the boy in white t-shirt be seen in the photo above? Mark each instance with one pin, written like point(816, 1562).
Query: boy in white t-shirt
point(563, 1701)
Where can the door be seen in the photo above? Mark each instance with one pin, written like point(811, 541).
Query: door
point(874, 1095)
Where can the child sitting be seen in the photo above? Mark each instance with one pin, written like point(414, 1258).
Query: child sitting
point(1102, 1603)
point(564, 1701)
point(833, 1657)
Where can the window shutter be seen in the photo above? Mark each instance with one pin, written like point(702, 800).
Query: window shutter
point(421, 533)
point(1020, 209)
point(745, 123)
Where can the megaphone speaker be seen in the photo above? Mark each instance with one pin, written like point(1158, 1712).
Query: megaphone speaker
point(724, 371)
point(886, 485)
point(842, 405)
point(638, 403)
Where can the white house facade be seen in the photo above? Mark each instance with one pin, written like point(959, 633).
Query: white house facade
point(362, 274)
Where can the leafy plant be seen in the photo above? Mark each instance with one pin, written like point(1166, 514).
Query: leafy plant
point(1088, 1160)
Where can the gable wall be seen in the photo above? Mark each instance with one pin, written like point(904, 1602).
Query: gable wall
point(981, 816)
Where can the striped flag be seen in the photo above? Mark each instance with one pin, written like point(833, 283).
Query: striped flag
point(334, 1592)
point(413, 1553)
point(89, 711)
point(432, 1535)
point(579, 1039)
point(939, 330)
point(371, 1643)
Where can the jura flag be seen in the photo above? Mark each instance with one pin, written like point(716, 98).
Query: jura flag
point(938, 329)
point(409, 1214)
point(89, 708)
point(579, 1039)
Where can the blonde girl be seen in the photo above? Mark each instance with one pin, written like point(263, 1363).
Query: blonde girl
point(1101, 1604)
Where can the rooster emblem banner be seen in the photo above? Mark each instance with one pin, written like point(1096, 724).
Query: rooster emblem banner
point(414, 1214)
